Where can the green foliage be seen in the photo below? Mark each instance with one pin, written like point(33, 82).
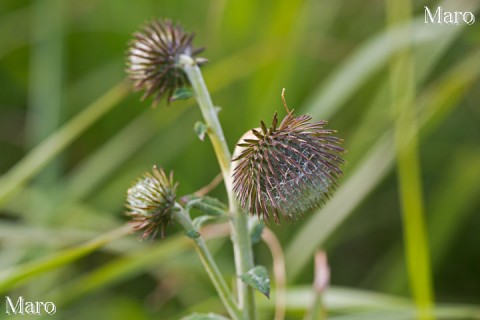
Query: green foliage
point(208, 205)
point(256, 232)
point(72, 140)
point(200, 129)
point(258, 279)
point(210, 316)
point(182, 94)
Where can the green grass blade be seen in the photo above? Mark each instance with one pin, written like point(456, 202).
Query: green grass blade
point(374, 54)
point(363, 303)
point(20, 21)
point(434, 106)
point(437, 102)
point(12, 278)
point(368, 59)
point(40, 156)
point(451, 202)
point(107, 159)
point(122, 268)
point(46, 79)
point(402, 80)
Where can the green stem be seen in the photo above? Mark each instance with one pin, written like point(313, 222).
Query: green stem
point(408, 165)
point(240, 236)
point(242, 249)
point(209, 113)
point(209, 264)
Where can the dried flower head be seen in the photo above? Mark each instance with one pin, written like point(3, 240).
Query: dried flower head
point(286, 170)
point(153, 56)
point(150, 202)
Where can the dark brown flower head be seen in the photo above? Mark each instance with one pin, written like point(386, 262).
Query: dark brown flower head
point(288, 169)
point(150, 202)
point(153, 56)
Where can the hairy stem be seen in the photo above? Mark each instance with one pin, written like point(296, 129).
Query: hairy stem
point(240, 236)
point(209, 264)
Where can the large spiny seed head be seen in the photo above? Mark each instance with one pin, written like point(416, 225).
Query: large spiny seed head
point(150, 202)
point(153, 59)
point(286, 170)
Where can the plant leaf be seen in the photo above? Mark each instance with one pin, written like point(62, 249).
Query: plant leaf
point(200, 129)
point(198, 222)
point(256, 232)
point(181, 94)
point(208, 205)
point(192, 234)
point(257, 278)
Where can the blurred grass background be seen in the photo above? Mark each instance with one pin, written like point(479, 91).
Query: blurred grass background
point(59, 61)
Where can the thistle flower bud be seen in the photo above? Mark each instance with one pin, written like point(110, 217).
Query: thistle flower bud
point(153, 56)
point(286, 170)
point(150, 202)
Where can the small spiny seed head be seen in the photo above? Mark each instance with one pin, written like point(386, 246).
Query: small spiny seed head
point(153, 59)
point(286, 170)
point(151, 201)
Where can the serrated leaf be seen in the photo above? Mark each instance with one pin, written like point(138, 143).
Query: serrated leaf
point(192, 234)
point(199, 316)
point(208, 205)
point(256, 232)
point(182, 94)
point(257, 278)
point(200, 129)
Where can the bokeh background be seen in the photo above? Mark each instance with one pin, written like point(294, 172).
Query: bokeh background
point(73, 138)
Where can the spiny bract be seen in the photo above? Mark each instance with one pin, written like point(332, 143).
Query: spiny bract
point(153, 56)
point(286, 170)
point(150, 202)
